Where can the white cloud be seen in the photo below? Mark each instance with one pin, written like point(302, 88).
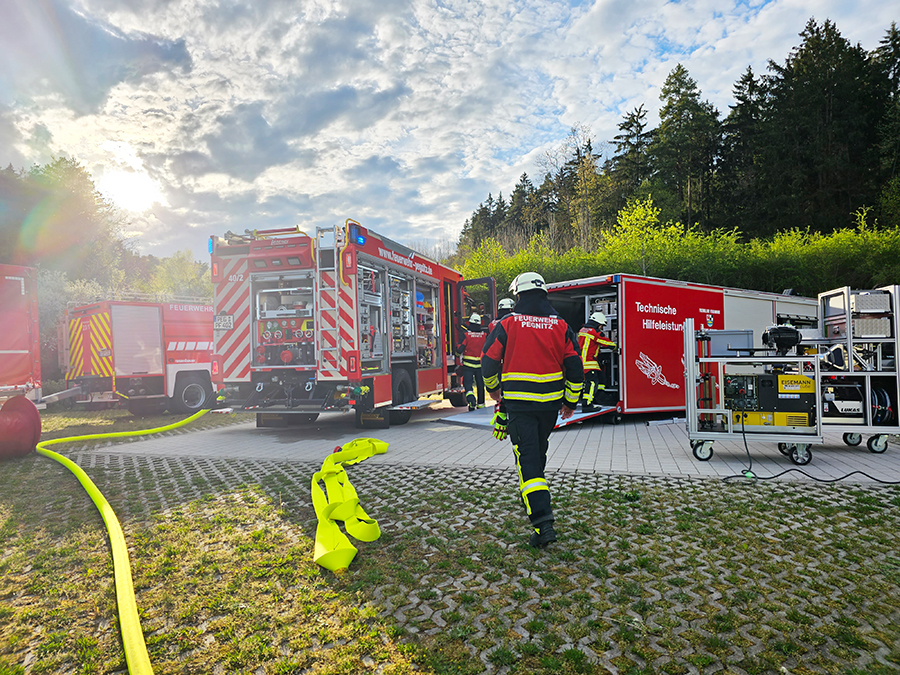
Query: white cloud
point(404, 114)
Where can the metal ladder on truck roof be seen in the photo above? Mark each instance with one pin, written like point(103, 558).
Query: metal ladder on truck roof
point(328, 335)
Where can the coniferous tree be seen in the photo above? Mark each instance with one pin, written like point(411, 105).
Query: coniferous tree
point(686, 144)
point(631, 164)
point(742, 135)
point(825, 105)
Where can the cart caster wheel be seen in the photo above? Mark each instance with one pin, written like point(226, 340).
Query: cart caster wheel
point(702, 450)
point(852, 439)
point(877, 444)
point(784, 449)
point(800, 454)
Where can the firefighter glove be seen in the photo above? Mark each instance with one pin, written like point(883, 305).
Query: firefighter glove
point(499, 423)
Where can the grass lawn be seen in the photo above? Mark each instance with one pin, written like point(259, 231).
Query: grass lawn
point(649, 575)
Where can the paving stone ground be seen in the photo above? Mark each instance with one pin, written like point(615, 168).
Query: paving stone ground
point(661, 565)
point(633, 447)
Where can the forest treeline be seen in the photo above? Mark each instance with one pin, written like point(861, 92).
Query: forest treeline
point(806, 262)
point(804, 147)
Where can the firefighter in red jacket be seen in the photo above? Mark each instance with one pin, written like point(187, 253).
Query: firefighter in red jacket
point(591, 342)
point(471, 348)
point(533, 354)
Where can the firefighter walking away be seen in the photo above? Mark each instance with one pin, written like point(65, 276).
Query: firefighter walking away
point(591, 342)
point(471, 348)
point(533, 355)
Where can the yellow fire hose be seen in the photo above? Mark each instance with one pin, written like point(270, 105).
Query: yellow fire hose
point(333, 549)
point(132, 635)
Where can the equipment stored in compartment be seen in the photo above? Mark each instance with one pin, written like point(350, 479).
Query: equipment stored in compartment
point(347, 320)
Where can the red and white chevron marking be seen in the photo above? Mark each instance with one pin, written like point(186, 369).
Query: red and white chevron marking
point(233, 297)
point(343, 316)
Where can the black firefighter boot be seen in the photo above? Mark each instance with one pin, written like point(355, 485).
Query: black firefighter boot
point(543, 533)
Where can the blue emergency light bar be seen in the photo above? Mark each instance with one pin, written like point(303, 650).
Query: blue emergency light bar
point(356, 236)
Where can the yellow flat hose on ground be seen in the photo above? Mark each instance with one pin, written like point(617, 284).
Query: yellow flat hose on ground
point(333, 549)
point(130, 625)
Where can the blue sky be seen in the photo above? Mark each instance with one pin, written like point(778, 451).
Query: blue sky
point(201, 116)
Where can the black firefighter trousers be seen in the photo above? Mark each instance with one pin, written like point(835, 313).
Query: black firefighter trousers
point(472, 379)
point(530, 436)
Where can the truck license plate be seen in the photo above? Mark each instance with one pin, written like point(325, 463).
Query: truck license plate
point(224, 322)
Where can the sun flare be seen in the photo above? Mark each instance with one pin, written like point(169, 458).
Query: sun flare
point(131, 190)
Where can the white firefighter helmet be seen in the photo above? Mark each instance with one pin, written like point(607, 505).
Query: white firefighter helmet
point(506, 303)
point(475, 319)
point(527, 281)
point(599, 317)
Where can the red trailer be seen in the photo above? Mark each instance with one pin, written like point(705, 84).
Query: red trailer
point(348, 321)
point(20, 344)
point(152, 355)
point(645, 318)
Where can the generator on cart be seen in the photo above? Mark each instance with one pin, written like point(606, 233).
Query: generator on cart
point(349, 320)
point(839, 376)
point(151, 355)
point(20, 343)
point(645, 316)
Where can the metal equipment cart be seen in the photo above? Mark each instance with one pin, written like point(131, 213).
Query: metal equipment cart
point(858, 343)
point(842, 379)
point(764, 398)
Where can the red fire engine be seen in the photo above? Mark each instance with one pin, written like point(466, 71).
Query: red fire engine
point(20, 345)
point(152, 355)
point(350, 320)
point(645, 316)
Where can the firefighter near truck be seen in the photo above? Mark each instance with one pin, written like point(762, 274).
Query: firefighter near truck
point(347, 320)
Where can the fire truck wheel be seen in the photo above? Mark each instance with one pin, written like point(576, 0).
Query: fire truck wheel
point(402, 393)
point(192, 394)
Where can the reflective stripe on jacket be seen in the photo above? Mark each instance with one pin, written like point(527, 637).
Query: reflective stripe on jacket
point(535, 358)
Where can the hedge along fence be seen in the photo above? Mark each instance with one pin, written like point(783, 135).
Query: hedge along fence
point(861, 256)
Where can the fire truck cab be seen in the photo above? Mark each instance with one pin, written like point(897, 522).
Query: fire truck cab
point(349, 320)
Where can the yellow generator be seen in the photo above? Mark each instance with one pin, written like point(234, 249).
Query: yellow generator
point(772, 402)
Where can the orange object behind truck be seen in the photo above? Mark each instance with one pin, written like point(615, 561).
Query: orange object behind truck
point(152, 355)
